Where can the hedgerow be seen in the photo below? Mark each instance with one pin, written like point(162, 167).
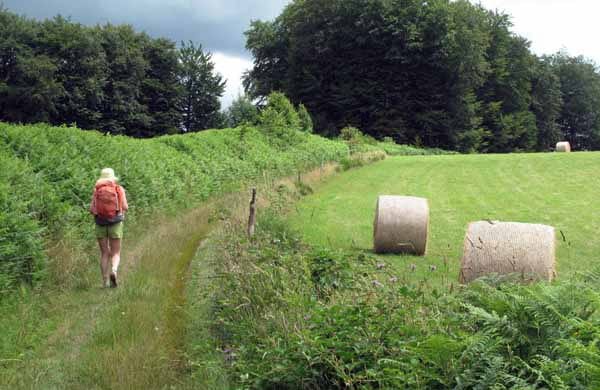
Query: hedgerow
point(363, 143)
point(49, 173)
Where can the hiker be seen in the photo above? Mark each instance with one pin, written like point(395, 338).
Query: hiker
point(108, 206)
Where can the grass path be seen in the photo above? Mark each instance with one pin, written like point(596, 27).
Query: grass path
point(124, 338)
point(556, 189)
point(139, 335)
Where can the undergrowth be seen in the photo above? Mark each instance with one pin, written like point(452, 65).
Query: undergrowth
point(289, 316)
point(49, 172)
point(359, 142)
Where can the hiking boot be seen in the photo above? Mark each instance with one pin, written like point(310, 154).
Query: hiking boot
point(113, 279)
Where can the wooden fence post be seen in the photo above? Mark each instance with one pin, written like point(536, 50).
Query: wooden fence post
point(252, 217)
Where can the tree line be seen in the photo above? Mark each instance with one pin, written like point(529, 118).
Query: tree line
point(109, 78)
point(438, 73)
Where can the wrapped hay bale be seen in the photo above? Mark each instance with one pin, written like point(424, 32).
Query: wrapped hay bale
point(401, 225)
point(563, 147)
point(507, 248)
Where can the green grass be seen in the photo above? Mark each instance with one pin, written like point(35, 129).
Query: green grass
point(50, 172)
point(129, 337)
point(290, 315)
point(555, 189)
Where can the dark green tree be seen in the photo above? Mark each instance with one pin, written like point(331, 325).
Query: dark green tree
point(202, 88)
point(445, 73)
point(29, 89)
point(81, 70)
point(241, 111)
point(506, 93)
point(268, 45)
point(546, 104)
point(123, 110)
point(408, 69)
point(579, 119)
point(160, 87)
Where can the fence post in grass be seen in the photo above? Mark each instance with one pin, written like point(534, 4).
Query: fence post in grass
point(252, 217)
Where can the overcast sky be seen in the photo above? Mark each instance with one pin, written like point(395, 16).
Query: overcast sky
point(218, 25)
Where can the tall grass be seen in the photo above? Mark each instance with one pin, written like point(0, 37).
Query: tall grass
point(50, 172)
point(290, 316)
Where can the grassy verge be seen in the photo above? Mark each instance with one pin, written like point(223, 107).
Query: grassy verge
point(288, 315)
point(209, 359)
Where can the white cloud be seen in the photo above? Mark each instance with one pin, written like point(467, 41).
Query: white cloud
point(232, 69)
point(552, 25)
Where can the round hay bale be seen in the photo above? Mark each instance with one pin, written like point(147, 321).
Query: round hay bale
point(401, 225)
point(507, 248)
point(563, 147)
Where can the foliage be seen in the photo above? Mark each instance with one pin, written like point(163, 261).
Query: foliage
point(109, 78)
point(580, 89)
point(280, 121)
point(241, 112)
point(199, 102)
point(359, 159)
point(288, 316)
point(350, 133)
point(368, 147)
point(46, 186)
point(449, 74)
point(546, 104)
point(21, 247)
point(306, 123)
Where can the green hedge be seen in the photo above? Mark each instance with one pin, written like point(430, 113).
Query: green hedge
point(48, 175)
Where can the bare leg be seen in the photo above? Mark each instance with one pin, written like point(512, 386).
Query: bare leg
point(115, 253)
point(104, 259)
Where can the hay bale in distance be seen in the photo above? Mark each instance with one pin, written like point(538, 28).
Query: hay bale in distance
point(563, 147)
point(507, 248)
point(401, 225)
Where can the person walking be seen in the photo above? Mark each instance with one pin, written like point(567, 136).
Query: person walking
point(109, 205)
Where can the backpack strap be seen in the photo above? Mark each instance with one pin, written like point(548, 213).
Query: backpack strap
point(118, 192)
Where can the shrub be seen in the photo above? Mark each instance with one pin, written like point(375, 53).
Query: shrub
point(241, 112)
point(306, 123)
point(350, 133)
point(280, 122)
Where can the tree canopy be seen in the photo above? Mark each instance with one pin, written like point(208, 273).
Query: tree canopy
point(441, 73)
point(109, 78)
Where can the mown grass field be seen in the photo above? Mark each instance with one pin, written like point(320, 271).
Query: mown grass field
point(561, 190)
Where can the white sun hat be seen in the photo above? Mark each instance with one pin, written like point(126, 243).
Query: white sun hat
point(108, 174)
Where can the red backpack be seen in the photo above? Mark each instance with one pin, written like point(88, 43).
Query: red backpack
point(107, 200)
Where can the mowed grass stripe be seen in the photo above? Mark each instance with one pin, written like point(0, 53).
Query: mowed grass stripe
point(561, 190)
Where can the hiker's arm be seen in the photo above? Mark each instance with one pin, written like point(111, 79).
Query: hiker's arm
point(124, 205)
point(93, 205)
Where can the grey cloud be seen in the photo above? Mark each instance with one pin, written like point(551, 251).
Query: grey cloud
point(217, 25)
